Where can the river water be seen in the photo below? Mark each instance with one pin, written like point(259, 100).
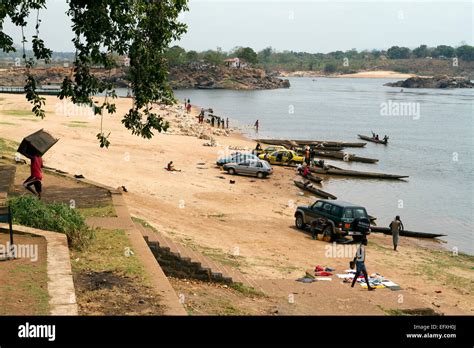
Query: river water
point(431, 140)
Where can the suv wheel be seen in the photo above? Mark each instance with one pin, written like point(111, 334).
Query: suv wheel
point(327, 234)
point(299, 222)
point(260, 175)
point(231, 171)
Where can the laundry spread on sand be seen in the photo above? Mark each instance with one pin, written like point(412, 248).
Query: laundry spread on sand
point(376, 280)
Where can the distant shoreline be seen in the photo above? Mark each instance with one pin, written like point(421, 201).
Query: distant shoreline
point(380, 74)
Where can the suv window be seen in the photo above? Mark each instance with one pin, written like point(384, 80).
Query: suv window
point(327, 208)
point(318, 205)
point(359, 213)
point(348, 214)
point(336, 211)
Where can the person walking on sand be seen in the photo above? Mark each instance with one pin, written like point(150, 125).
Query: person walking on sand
point(256, 126)
point(188, 106)
point(396, 226)
point(307, 155)
point(36, 175)
point(227, 123)
point(359, 261)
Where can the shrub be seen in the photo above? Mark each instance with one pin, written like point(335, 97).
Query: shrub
point(57, 217)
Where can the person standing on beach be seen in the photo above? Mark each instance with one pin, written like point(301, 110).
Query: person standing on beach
point(396, 226)
point(227, 123)
point(307, 156)
point(359, 261)
point(188, 106)
point(256, 126)
point(36, 175)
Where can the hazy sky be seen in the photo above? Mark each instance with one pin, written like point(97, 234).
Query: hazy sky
point(311, 25)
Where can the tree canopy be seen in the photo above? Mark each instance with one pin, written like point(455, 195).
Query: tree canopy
point(139, 29)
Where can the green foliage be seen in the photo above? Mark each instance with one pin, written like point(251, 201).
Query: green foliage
point(103, 29)
point(396, 52)
point(29, 211)
point(421, 51)
point(330, 68)
point(465, 52)
point(443, 51)
point(214, 57)
point(247, 54)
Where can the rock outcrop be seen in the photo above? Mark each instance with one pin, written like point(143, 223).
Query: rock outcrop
point(224, 78)
point(433, 82)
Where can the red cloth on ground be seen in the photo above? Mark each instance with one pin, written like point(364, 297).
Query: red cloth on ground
point(323, 274)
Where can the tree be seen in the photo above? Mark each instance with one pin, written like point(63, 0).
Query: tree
point(176, 56)
point(247, 54)
point(421, 51)
point(192, 56)
point(465, 52)
point(139, 29)
point(214, 57)
point(444, 51)
point(330, 68)
point(265, 54)
point(396, 52)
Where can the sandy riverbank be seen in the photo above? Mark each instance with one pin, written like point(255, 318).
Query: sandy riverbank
point(250, 221)
point(382, 74)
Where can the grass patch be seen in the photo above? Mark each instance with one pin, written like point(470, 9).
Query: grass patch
point(217, 255)
point(77, 124)
point(58, 217)
point(8, 123)
point(104, 211)
point(144, 223)
point(109, 253)
point(20, 113)
point(247, 290)
point(8, 147)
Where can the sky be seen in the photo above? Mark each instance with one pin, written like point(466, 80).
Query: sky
point(309, 25)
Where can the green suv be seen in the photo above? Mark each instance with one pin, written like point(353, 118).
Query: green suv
point(330, 220)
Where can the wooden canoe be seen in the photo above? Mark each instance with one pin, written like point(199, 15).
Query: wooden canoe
point(331, 170)
point(342, 156)
point(313, 178)
point(315, 191)
point(365, 137)
point(387, 230)
point(310, 142)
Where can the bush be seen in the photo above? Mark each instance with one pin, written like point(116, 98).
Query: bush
point(57, 217)
point(330, 68)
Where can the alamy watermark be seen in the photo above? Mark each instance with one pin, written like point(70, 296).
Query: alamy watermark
point(20, 251)
point(394, 108)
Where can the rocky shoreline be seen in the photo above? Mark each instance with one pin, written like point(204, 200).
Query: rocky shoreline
point(224, 78)
point(184, 77)
point(433, 82)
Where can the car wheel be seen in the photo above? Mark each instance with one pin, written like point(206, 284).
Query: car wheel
point(260, 175)
point(327, 234)
point(231, 171)
point(299, 222)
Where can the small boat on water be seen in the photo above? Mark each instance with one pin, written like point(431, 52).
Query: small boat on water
point(344, 157)
point(373, 140)
point(387, 230)
point(331, 170)
point(309, 142)
point(314, 190)
point(313, 178)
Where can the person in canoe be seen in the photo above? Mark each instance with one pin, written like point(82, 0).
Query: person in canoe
point(385, 139)
point(36, 175)
point(359, 261)
point(377, 137)
point(396, 226)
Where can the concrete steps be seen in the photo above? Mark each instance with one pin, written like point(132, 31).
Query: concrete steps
point(192, 263)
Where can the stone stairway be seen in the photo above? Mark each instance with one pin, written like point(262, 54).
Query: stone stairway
point(183, 262)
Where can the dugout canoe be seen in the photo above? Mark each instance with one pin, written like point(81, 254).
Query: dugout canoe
point(310, 142)
point(344, 156)
point(314, 190)
point(386, 230)
point(331, 170)
point(365, 137)
point(313, 178)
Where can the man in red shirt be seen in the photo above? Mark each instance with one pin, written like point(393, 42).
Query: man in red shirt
point(36, 176)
